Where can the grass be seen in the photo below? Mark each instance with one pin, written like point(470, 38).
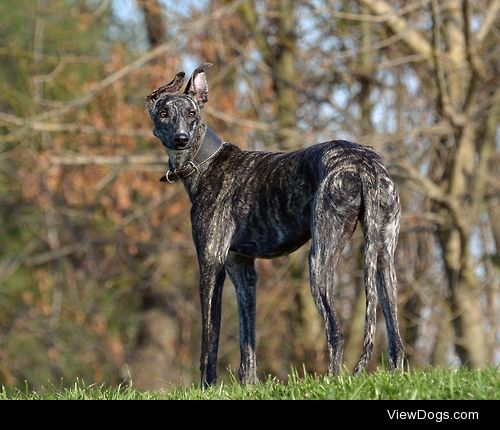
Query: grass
point(430, 384)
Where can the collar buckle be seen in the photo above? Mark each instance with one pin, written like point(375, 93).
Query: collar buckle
point(182, 172)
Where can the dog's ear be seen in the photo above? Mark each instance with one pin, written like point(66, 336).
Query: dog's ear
point(171, 88)
point(197, 86)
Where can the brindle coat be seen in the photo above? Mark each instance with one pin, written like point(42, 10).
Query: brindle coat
point(253, 204)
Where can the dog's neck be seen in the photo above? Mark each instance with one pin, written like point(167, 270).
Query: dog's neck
point(205, 144)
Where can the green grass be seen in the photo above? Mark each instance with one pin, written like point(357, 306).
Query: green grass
point(429, 384)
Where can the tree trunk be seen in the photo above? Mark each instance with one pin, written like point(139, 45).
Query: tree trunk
point(467, 316)
point(152, 360)
point(285, 74)
point(154, 21)
point(279, 52)
point(444, 336)
point(152, 364)
point(455, 79)
point(355, 332)
point(465, 291)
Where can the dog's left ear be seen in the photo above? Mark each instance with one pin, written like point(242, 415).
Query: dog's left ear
point(171, 88)
point(197, 86)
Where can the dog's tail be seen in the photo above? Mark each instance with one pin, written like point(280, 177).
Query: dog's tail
point(370, 192)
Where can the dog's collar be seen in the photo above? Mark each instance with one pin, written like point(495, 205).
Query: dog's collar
point(210, 146)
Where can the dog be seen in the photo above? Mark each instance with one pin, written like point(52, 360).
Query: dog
point(255, 204)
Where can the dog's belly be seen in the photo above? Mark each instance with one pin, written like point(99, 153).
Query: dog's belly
point(269, 238)
point(270, 245)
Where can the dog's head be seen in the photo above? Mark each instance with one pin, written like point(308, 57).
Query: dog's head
point(176, 117)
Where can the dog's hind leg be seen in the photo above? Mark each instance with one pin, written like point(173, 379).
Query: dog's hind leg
point(333, 223)
point(387, 282)
point(242, 272)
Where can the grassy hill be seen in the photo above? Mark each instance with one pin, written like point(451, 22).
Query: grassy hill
point(429, 384)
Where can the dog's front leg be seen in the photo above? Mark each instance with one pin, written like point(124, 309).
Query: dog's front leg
point(242, 272)
point(212, 277)
point(212, 235)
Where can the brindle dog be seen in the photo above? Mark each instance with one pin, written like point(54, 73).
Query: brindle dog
point(254, 204)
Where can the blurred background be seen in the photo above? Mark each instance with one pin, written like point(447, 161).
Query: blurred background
point(98, 274)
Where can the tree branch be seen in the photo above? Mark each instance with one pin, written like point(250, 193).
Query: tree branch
point(489, 19)
point(436, 194)
point(108, 160)
point(413, 38)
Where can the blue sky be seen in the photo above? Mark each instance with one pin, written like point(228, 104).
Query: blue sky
point(128, 12)
point(127, 9)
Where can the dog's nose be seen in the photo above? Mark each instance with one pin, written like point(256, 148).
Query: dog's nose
point(181, 139)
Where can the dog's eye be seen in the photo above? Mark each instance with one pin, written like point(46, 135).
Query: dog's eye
point(192, 113)
point(163, 113)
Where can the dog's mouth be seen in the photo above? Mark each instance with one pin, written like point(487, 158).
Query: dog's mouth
point(181, 146)
point(172, 146)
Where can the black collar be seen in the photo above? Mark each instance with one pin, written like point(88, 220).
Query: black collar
point(209, 147)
